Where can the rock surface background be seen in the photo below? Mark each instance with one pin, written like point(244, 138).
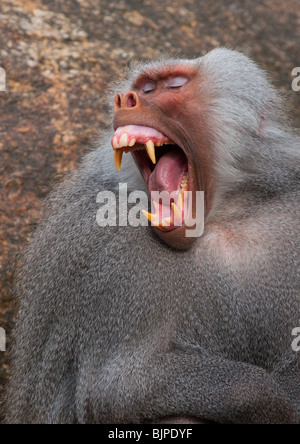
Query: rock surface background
point(61, 57)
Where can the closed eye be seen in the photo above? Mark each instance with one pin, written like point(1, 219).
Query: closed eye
point(148, 87)
point(176, 82)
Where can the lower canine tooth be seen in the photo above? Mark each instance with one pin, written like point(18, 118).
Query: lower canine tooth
point(176, 211)
point(151, 151)
point(151, 217)
point(166, 222)
point(156, 206)
point(180, 202)
point(118, 159)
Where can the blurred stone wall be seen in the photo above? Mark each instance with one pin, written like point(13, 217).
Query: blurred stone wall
point(61, 56)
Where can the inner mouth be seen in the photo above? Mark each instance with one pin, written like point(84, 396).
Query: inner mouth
point(164, 167)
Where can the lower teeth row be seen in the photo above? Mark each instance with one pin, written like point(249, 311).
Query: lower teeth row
point(185, 182)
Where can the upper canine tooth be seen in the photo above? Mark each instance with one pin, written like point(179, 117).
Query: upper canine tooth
point(151, 151)
point(118, 159)
point(123, 140)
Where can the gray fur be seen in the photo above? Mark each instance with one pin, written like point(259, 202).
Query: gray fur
point(114, 326)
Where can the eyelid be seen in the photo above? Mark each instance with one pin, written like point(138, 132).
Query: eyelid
point(148, 87)
point(176, 82)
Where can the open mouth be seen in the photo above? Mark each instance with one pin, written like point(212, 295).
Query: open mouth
point(164, 167)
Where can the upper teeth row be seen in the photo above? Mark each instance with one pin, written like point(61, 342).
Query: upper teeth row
point(125, 142)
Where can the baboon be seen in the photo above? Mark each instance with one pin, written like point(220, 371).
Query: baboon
point(143, 324)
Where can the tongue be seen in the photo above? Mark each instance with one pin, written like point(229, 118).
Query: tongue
point(168, 173)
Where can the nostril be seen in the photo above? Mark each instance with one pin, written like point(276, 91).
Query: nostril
point(118, 101)
point(130, 100)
